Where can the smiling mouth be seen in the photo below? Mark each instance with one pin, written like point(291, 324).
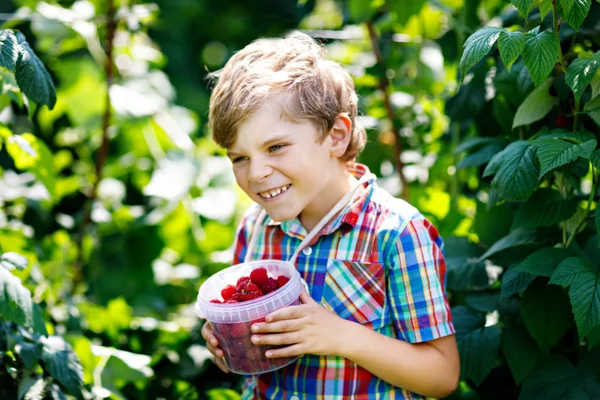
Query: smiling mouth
point(275, 192)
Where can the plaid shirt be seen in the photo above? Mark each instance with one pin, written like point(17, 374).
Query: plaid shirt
point(378, 263)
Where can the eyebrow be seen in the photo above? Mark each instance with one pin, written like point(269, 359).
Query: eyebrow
point(265, 144)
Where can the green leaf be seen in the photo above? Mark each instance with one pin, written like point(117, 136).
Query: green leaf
point(594, 338)
point(479, 157)
point(544, 262)
point(8, 49)
point(545, 8)
point(592, 108)
point(32, 388)
point(477, 344)
point(477, 46)
point(32, 76)
point(404, 10)
point(361, 10)
point(475, 142)
point(597, 218)
point(511, 45)
point(30, 352)
point(523, 6)
point(516, 238)
point(535, 106)
point(575, 11)
point(581, 71)
point(540, 55)
point(483, 301)
point(595, 159)
point(584, 292)
point(13, 260)
point(56, 392)
point(15, 301)
point(546, 313)
point(553, 378)
point(554, 151)
point(520, 350)
point(545, 207)
point(595, 86)
point(463, 273)
point(63, 364)
point(514, 282)
point(517, 176)
point(222, 394)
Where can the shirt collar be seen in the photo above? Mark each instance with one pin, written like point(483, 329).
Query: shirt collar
point(346, 219)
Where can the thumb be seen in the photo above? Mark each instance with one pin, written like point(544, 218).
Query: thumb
point(305, 297)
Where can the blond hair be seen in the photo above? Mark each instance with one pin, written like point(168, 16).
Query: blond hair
point(313, 88)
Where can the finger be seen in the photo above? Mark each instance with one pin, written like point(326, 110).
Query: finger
point(305, 297)
point(214, 350)
point(290, 312)
point(287, 325)
point(276, 338)
point(221, 364)
point(289, 351)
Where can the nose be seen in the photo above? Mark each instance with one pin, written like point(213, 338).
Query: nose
point(259, 170)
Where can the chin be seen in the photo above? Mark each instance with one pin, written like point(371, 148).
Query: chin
point(280, 215)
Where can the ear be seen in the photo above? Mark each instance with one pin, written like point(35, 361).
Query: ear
point(340, 135)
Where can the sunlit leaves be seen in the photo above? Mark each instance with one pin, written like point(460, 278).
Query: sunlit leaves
point(404, 10)
point(575, 11)
point(523, 6)
point(477, 46)
point(555, 151)
point(535, 106)
point(540, 54)
point(12, 260)
point(9, 50)
point(581, 71)
point(511, 45)
point(16, 304)
point(63, 364)
point(32, 76)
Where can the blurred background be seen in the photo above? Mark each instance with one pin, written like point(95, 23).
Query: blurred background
point(121, 205)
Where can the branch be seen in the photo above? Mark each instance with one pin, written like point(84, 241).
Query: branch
point(383, 86)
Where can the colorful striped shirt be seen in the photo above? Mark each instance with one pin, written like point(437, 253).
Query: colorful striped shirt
point(378, 263)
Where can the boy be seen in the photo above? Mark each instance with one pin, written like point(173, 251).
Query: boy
point(376, 323)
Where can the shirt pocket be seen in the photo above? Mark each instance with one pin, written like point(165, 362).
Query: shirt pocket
point(355, 290)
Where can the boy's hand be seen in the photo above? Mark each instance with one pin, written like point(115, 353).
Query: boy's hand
point(306, 328)
point(212, 345)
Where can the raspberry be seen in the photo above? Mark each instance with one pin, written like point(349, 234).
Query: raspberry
point(242, 281)
point(269, 286)
point(250, 296)
point(216, 301)
point(228, 292)
point(259, 276)
point(239, 330)
point(231, 301)
point(249, 288)
point(237, 297)
point(282, 280)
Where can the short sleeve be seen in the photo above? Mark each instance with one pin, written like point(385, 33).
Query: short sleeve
point(417, 284)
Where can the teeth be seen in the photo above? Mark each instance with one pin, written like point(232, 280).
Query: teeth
point(274, 192)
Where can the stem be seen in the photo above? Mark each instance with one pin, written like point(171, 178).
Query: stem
point(587, 210)
point(383, 86)
point(103, 151)
point(576, 116)
point(556, 26)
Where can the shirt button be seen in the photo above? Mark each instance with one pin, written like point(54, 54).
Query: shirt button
point(295, 397)
point(307, 252)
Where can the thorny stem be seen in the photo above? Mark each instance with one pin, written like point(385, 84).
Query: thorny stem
point(556, 26)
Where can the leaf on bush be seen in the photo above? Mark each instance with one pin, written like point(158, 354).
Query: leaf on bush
point(514, 282)
point(12, 260)
point(479, 157)
point(517, 171)
point(516, 238)
point(63, 364)
point(361, 10)
point(32, 388)
point(463, 273)
point(523, 6)
point(592, 108)
point(511, 45)
point(554, 152)
point(593, 338)
point(535, 106)
point(8, 49)
point(483, 301)
point(540, 55)
point(478, 345)
point(15, 302)
point(580, 73)
point(544, 262)
point(545, 8)
point(56, 392)
point(595, 83)
point(520, 350)
point(584, 292)
point(30, 353)
point(546, 313)
point(545, 207)
point(597, 218)
point(553, 378)
point(32, 76)
point(404, 10)
point(473, 143)
point(575, 11)
point(477, 46)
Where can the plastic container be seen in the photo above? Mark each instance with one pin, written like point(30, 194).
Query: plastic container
point(231, 322)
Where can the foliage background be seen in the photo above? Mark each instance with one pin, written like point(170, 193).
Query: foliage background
point(112, 216)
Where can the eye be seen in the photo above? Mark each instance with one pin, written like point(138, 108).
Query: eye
point(276, 147)
point(238, 159)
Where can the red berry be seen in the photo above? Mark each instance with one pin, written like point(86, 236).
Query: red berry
point(228, 292)
point(250, 296)
point(239, 330)
point(216, 301)
point(249, 288)
point(232, 301)
point(237, 297)
point(282, 280)
point(269, 286)
point(562, 121)
point(242, 281)
point(259, 276)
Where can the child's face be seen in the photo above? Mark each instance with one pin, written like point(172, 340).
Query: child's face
point(281, 165)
